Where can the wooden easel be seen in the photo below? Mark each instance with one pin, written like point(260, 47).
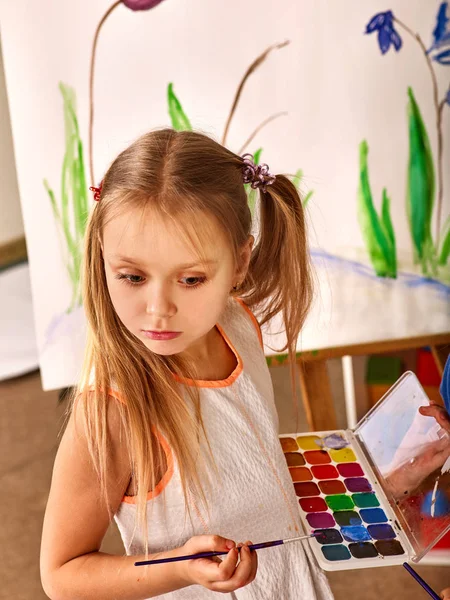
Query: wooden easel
point(313, 374)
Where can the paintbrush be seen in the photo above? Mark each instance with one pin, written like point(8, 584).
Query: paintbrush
point(421, 582)
point(213, 553)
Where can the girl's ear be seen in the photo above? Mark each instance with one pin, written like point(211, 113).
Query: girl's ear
point(244, 258)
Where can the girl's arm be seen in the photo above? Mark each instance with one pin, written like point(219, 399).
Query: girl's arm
point(76, 520)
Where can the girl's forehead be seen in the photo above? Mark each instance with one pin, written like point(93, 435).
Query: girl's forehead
point(142, 235)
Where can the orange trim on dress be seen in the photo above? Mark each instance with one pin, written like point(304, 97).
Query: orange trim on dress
point(167, 475)
point(204, 383)
point(167, 451)
point(255, 322)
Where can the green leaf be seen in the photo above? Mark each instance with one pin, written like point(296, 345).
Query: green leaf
point(445, 244)
point(388, 228)
point(296, 181)
point(375, 234)
point(307, 197)
point(72, 214)
point(58, 220)
point(180, 122)
point(257, 156)
point(297, 178)
point(420, 183)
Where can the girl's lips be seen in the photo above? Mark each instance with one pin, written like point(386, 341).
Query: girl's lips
point(161, 335)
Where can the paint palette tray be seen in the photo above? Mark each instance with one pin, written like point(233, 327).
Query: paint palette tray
point(369, 494)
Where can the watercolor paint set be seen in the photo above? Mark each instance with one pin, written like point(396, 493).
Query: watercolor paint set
point(377, 495)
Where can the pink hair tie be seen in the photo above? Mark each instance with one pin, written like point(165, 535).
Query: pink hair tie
point(97, 191)
point(258, 176)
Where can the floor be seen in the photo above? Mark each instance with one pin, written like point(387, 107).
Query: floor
point(30, 421)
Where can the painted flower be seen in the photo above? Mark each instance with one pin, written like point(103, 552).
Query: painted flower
point(441, 37)
point(384, 23)
point(132, 5)
point(440, 31)
point(141, 4)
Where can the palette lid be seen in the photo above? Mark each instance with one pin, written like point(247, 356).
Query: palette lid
point(410, 454)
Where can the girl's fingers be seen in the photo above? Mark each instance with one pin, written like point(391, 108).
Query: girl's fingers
point(243, 571)
point(254, 557)
point(214, 569)
point(227, 566)
point(230, 577)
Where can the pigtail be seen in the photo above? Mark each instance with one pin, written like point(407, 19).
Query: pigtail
point(280, 264)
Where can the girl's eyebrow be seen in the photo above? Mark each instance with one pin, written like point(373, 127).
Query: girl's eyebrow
point(131, 261)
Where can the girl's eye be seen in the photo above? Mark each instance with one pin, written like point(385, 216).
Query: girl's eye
point(200, 281)
point(192, 282)
point(130, 279)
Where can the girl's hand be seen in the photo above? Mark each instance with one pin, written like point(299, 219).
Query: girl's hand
point(439, 413)
point(213, 573)
point(445, 594)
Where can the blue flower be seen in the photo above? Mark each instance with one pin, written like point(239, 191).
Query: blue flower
point(384, 23)
point(441, 37)
point(443, 58)
point(440, 31)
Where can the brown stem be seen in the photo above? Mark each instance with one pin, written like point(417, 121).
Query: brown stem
point(263, 124)
point(91, 86)
point(440, 190)
point(255, 64)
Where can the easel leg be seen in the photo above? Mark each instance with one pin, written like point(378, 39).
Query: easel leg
point(316, 395)
point(440, 355)
point(349, 391)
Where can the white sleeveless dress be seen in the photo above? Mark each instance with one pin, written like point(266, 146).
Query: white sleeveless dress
point(254, 498)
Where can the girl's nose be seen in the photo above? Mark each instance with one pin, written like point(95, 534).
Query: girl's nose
point(159, 303)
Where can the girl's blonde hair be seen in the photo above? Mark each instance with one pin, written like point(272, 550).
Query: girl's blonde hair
point(195, 184)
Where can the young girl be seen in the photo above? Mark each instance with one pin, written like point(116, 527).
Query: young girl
point(173, 430)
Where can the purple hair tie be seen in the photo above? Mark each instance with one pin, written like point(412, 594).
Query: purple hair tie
point(258, 176)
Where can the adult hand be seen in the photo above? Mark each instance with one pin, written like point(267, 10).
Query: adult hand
point(407, 478)
point(439, 413)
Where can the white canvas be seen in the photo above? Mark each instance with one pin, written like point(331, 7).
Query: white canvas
point(332, 81)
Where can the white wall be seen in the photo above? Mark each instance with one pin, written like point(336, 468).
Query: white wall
point(11, 223)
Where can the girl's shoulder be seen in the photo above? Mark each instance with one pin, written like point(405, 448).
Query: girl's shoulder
point(90, 385)
point(254, 320)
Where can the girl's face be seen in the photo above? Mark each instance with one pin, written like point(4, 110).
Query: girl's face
point(156, 283)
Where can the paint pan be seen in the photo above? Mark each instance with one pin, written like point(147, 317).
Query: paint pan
point(339, 481)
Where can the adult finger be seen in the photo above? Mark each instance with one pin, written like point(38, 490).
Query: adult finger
point(435, 455)
point(439, 413)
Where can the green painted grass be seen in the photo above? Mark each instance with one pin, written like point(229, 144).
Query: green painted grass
point(181, 122)
point(377, 229)
point(420, 189)
point(71, 211)
point(445, 244)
